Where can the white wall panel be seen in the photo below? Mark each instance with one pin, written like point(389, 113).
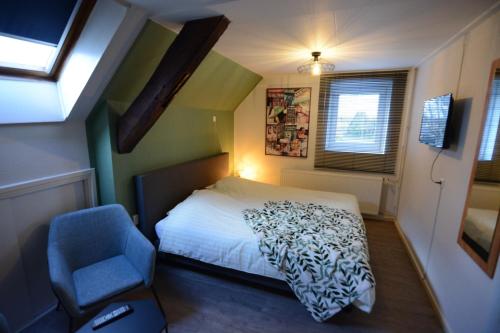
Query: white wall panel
point(26, 210)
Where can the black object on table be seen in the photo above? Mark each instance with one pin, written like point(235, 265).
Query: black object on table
point(145, 318)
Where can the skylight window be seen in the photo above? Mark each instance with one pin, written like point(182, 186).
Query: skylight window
point(24, 54)
point(37, 36)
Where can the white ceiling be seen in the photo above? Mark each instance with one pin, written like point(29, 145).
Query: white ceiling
point(275, 36)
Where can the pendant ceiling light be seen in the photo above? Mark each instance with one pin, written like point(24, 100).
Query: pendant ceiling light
point(316, 66)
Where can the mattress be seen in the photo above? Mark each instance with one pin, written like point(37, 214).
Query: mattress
point(209, 226)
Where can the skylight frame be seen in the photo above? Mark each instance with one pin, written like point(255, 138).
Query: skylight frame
point(68, 40)
point(23, 48)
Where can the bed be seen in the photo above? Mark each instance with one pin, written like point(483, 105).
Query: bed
point(195, 212)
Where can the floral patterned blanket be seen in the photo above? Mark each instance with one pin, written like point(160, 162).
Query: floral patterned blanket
point(322, 252)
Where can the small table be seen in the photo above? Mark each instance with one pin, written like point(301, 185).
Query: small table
point(145, 318)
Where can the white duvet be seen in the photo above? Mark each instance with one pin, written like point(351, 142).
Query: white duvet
point(208, 226)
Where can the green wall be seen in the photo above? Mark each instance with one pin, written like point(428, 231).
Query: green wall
point(100, 153)
point(184, 132)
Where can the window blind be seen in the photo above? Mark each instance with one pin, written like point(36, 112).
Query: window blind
point(37, 20)
point(488, 166)
point(359, 120)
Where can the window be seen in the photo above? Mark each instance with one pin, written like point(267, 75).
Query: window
point(488, 169)
point(359, 121)
point(36, 36)
point(491, 125)
point(24, 54)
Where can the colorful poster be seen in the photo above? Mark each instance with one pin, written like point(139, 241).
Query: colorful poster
point(287, 121)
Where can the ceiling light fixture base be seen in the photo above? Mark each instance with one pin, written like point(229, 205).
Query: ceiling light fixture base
point(316, 66)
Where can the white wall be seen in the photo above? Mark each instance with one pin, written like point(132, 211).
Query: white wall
point(95, 37)
point(107, 20)
point(122, 28)
point(249, 129)
point(28, 101)
point(249, 137)
point(468, 298)
point(34, 151)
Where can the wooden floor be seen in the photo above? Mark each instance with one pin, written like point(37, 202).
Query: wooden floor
point(198, 303)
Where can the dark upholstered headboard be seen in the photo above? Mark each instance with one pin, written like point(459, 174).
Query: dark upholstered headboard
point(160, 190)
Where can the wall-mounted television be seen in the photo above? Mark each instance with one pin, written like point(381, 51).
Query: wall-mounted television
point(435, 128)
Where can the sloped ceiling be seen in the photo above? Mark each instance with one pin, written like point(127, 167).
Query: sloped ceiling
point(275, 36)
point(217, 84)
point(177, 65)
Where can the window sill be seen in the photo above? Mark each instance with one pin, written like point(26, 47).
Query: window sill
point(387, 177)
point(29, 101)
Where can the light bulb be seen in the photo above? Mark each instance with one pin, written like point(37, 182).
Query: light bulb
point(316, 69)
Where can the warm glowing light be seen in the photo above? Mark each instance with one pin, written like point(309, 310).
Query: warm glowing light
point(248, 172)
point(316, 69)
point(247, 168)
point(20, 53)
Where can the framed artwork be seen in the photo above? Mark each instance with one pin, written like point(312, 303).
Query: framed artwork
point(287, 121)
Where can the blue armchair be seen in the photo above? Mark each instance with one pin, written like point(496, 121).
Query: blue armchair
point(95, 254)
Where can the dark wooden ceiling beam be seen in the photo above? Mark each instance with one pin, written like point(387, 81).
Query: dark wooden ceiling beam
point(181, 59)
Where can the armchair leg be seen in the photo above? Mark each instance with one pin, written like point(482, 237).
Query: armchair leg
point(70, 322)
point(158, 301)
point(70, 319)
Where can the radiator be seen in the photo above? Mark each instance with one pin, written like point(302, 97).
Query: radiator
point(367, 188)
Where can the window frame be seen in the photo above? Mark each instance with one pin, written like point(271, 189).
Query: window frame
point(76, 26)
point(487, 168)
point(386, 163)
point(491, 127)
point(385, 92)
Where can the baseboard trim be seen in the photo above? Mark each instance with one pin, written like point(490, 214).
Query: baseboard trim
point(422, 277)
point(382, 218)
point(38, 317)
point(87, 176)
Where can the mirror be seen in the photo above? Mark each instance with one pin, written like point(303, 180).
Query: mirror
point(480, 232)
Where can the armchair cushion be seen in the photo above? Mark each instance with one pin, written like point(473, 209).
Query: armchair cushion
point(141, 254)
point(105, 279)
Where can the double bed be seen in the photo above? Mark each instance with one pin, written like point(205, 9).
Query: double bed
point(196, 211)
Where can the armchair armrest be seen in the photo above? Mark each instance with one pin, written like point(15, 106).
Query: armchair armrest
point(61, 279)
point(142, 254)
